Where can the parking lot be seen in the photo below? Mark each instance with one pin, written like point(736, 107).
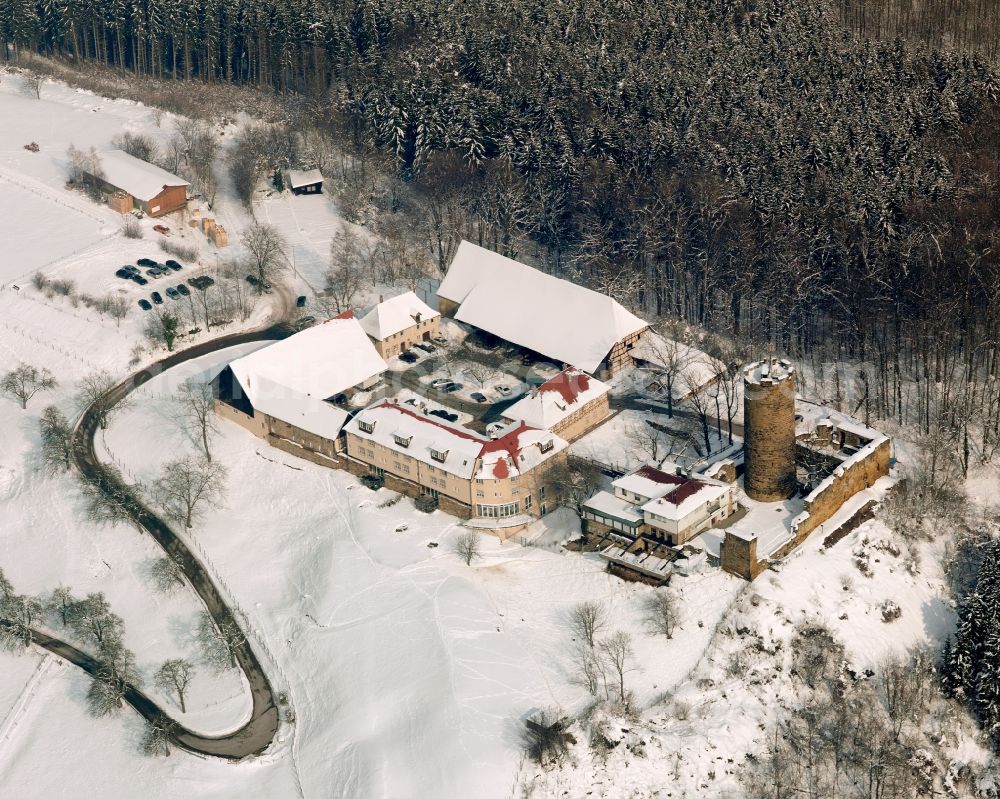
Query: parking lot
point(158, 282)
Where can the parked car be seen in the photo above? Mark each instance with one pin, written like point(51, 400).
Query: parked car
point(183, 290)
point(426, 347)
point(140, 280)
point(202, 282)
point(408, 357)
point(124, 275)
point(173, 293)
point(504, 391)
point(300, 302)
point(153, 273)
point(157, 298)
point(451, 388)
point(451, 417)
point(174, 265)
point(144, 304)
point(478, 396)
point(441, 341)
point(440, 382)
point(146, 262)
point(252, 280)
point(162, 229)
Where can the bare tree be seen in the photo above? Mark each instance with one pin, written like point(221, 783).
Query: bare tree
point(587, 620)
point(481, 372)
point(655, 440)
point(700, 403)
point(25, 380)
point(661, 612)
point(618, 652)
point(467, 546)
point(60, 604)
point(186, 486)
point(138, 145)
point(167, 574)
point(219, 642)
point(92, 619)
point(347, 275)
point(111, 680)
point(175, 675)
point(671, 359)
point(197, 402)
point(116, 306)
point(33, 85)
point(131, 228)
point(110, 501)
point(19, 613)
point(157, 736)
point(729, 381)
point(265, 249)
point(590, 671)
point(85, 169)
point(573, 481)
point(95, 393)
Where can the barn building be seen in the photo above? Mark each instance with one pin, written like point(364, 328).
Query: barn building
point(560, 320)
point(128, 183)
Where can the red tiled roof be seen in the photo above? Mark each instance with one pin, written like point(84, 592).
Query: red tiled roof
point(688, 488)
point(500, 470)
point(509, 443)
point(569, 384)
point(657, 476)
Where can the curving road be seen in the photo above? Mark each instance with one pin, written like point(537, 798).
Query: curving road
point(254, 736)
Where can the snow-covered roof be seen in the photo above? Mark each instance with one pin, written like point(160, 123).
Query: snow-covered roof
point(694, 368)
point(641, 561)
point(319, 362)
point(137, 177)
point(685, 499)
point(650, 482)
point(768, 371)
point(297, 178)
point(395, 315)
point(408, 430)
point(555, 399)
point(606, 504)
point(556, 318)
point(425, 434)
point(312, 414)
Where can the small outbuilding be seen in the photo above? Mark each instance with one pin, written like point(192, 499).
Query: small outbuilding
point(308, 181)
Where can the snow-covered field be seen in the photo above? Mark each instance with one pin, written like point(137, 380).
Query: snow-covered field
point(407, 670)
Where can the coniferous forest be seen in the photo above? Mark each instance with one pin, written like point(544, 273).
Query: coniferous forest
point(757, 167)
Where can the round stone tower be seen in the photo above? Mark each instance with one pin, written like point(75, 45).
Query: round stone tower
point(769, 430)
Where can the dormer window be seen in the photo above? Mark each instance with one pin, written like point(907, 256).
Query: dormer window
point(545, 446)
point(403, 441)
point(366, 427)
point(439, 455)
